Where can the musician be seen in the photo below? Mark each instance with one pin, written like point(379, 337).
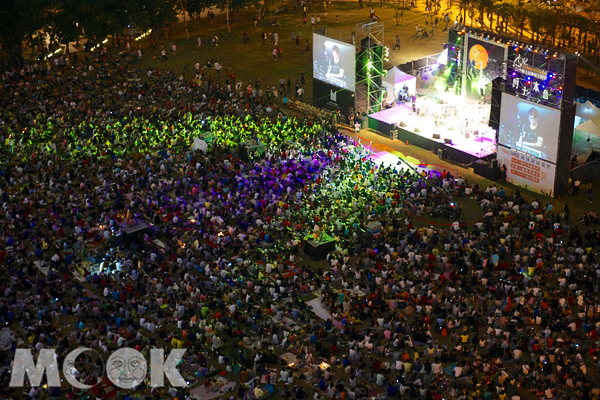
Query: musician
point(530, 136)
point(335, 70)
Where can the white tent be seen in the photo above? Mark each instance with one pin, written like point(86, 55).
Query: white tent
point(396, 79)
point(199, 144)
point(587, 110)
point(591, 126)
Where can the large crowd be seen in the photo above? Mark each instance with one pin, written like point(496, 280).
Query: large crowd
point(505, 307)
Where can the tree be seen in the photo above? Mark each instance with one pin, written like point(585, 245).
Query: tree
point(20, 21)
point(152, 14)
point(101, 18)
point(64, 21)
point(503, 12)
point(230, 6)
point(193, 8)
point(518, 16)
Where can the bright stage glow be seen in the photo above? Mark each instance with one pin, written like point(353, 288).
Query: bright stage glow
point(463, 121)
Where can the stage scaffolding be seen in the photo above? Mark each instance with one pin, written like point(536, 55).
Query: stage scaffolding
point(370, 60)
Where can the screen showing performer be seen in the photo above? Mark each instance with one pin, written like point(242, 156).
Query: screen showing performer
point(529, 127)
point(333, 62)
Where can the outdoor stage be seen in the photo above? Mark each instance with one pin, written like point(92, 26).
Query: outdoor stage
point(443, 121)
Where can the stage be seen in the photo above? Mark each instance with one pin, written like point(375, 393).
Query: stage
point(319, 248)
point(442, 121)
point(134, 231)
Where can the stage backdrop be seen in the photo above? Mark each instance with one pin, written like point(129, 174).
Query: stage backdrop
point(334, 62)
point(529, 172)
point(483, 62)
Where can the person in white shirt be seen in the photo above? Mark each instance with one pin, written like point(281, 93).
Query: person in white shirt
point(284, 375)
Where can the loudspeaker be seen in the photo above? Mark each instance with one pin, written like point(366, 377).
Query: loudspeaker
point(365, 238)
point(498, 86)
point(436, 136)
point(486, 170)
point(495, 164)
point(448, 141)
point(594, 155)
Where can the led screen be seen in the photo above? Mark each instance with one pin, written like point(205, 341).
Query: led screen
point(333, 62)
point(484, 64)
point(529, 127)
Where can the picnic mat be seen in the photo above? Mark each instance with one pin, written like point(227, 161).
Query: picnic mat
point(200, 393)
point(322, 313)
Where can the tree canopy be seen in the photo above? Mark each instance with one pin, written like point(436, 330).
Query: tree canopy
point(27, 22)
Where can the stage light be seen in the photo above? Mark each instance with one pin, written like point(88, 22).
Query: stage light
point(560, 88)
point(555, 54)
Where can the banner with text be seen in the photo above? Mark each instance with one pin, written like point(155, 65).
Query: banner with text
point(527, 171)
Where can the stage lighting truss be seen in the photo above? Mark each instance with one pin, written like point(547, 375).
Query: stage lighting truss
point(369, 92)
point(536, 76)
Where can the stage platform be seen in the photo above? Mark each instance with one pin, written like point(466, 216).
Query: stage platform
point(134, 231)
point(320, 247)
point(443, 121)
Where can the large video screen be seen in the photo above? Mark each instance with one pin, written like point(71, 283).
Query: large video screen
point(529, 127)
point(484, 64)
point(334, 62)
point(527, 171)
